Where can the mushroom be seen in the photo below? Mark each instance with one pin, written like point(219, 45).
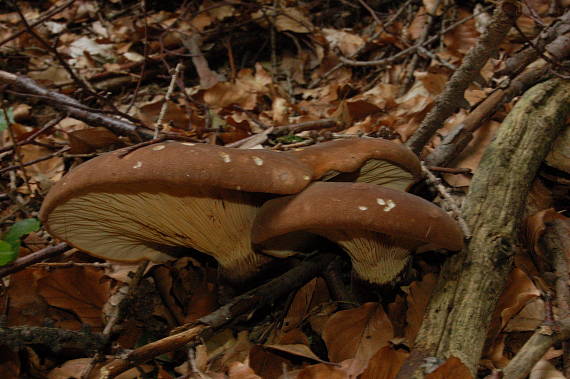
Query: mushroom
point(367, 160)
point(160, 199)
point(377, 226)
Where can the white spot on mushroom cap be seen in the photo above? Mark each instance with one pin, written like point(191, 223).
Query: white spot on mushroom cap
point(158, 147)
point(389, 204)
point(226, 157)
point(362, 207)
point(188, 143)
point(138, 164)
point(238, 188)
point(258, 161)
point(307, 177)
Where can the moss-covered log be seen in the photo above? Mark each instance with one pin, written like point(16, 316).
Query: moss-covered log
point(460, 310)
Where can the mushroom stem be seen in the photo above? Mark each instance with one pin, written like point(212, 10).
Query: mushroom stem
point(381, 259)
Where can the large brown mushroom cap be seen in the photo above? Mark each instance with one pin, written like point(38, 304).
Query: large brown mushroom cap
point(377, 226)
point(366, 160)
point(162, 197)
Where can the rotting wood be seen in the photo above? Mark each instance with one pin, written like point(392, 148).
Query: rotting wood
point(470, 283)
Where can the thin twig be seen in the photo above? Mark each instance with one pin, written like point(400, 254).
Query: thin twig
point(167, 99)
point(30, 259)
point(449, 201)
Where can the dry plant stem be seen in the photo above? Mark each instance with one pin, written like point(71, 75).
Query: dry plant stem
point(470, 283)
point(79, 81)
point(46, 16)
point(251, 300)
point(452, 97)
point(17, 155)
point(409, 50)
point(118, 314)
point(384, 26)
point(167, 99)
point(33, 136)
point(68, 104)
point(32, 162)
point(533, 351)
point(38, 256)
point(408, 81)
point(251, 141)
point(449, 201)
point(557, 245)
point(456, 141)
point(304, 126)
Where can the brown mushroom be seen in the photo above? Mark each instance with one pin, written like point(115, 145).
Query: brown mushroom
point(376, 226)
point(162, 198)
point(366, 160)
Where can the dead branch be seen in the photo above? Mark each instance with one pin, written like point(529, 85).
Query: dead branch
point(552, 39)
point(534, 349)
point(73, 106)
point(38, 256)
point(452, 98)
point(555, 239)
point(456, 141)
point(54, 339)
point(470, 283)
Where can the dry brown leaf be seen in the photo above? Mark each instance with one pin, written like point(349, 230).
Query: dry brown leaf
point(292, 19)
point(347, 43)
point(244, 92)
point(90, 140)
point(26, 306)
point(238, 352)
point(385, 364)
point(9, 364)
point(82, 290)
point(175, 115)
point(357, 333)
point(453, 368)
point(518, 292)
point(416, 28)
point(348, 369)
point(238, 370)
point(267, 364)
point(535, 227)
point(298, 350)
point(306, 299)
point(464, 36)
point(418, 297)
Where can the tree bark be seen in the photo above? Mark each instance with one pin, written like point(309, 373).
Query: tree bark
point(470, 283)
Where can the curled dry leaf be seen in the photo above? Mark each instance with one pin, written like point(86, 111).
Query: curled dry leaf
point(244, 92)
point(518, 292)
point(284, 19)
point(463, 37)
point(535, 226)
point(347, 43)
point(357, 333)
point(417, 299)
